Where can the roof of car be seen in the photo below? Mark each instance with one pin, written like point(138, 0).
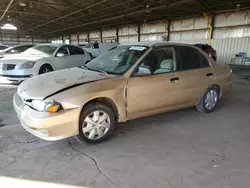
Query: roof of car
point(55, 44)
point(50, 44)
point(155, 43)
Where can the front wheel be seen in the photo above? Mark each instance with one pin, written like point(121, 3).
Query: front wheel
point(209, 101)
point(96, 123)
point(45, 69)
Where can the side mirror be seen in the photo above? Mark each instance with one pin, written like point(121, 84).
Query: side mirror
point(142, 71)
point(60, 55)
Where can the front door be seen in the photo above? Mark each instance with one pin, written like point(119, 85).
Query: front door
point(61, 62)
point(159, 89)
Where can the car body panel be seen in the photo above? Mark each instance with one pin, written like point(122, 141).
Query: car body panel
point(55, 81)
point(50, 126)
point(157, 93)
point(132, 96)
point(193, 88)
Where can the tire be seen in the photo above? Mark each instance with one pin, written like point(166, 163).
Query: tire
point(203, 106)
point(96, 132)
point(45, 69)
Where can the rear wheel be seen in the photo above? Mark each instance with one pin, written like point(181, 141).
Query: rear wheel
point(209, 101)
point(97, 123)
point(45, 69)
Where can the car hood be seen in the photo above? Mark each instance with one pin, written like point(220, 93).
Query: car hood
point(20, 58)
point(44, 85)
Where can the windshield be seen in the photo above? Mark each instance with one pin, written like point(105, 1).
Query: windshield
point(41, 50)
point(88, 45)
point(118, 60)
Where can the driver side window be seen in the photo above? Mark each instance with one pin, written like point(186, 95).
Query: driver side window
point(159, 61)
point(63, 50)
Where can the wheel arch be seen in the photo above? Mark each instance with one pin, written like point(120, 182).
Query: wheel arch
point(49, 64)
point(107, 101)
point(209, 87)
point(215, 86)
point(39, 64)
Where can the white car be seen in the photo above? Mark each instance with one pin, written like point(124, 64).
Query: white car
point(3, 47)
point(41, 59)
point(15, 50)
point(98, 48)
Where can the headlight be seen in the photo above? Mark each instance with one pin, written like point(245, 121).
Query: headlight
point(27, 65)
point(46, 106)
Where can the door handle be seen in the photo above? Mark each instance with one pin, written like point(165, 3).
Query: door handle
point(209, 74)
point(176, 79)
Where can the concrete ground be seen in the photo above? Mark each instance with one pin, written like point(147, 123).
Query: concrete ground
point(182, 149)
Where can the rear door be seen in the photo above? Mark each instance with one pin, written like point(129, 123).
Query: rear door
point(196, 74)
point(77, 56)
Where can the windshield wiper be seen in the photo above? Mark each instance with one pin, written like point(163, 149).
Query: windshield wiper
point(100, 70)
point(84, 66)
point(95, 69)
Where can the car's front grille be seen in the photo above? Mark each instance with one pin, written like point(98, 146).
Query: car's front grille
point(8, 66)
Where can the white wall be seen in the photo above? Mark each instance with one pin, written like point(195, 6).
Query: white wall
point(128, 34)
point(9, 37)
point(156, 31)
point(231, 33)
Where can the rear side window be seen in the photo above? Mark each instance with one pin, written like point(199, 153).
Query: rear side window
point(75, 50)
point(190, 58)
point(26, 47)
point(15, 50)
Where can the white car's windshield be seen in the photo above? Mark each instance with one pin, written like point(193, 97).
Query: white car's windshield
point(41, 50)
point(118, 60)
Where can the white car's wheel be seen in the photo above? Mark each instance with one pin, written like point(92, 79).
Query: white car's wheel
point(45, 69)
point(97, 123)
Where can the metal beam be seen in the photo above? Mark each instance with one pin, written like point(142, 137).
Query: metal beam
point(28, 13)
point(212, 27)
point(121, 16)
point(48, 3)
point(139, 33)
point(6, 10)
point(101, 34)
point(88, 38)
point(67, 15)
point(77, 37)
point(117, 34)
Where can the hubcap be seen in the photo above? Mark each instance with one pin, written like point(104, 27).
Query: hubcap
point(45, 70)
point(211, 99)
point(96, 125)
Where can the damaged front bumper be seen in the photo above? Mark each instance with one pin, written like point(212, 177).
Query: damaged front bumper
point(45, 125)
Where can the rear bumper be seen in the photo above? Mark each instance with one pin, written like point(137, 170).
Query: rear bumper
point(47, 126)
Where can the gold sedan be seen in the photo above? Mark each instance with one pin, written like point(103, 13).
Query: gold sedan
point(128, 82)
